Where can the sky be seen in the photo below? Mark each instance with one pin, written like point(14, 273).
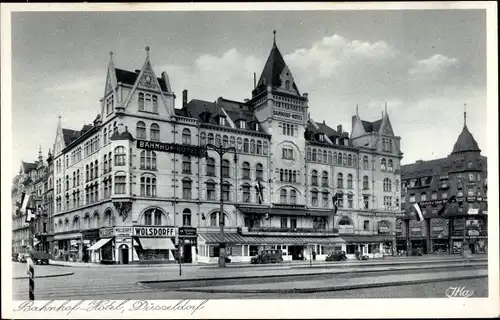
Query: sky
point(425, 65)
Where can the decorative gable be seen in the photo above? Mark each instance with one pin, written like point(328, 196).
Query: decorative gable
point(148, 79)
point(287, 82)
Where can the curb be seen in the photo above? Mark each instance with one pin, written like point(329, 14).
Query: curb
point(91, 265)
point(334, 288)
point(145, 282)
point(47, 276)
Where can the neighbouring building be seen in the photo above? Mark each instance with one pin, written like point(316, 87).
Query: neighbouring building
point(125, 184)
point(463, 174)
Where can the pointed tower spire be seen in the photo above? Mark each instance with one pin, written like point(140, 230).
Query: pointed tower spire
point(465, 114)
point(386, 107)
point(147, 52)
point(357, 110)
point(274, 37)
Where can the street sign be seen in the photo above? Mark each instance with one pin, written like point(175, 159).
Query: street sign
point(187, 232)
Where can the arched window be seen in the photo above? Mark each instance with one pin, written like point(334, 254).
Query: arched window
point(330, 160)
point(96, 169)
point(158, 218)
point(308, 154)
point(186, 188)
point(365, 163)
point(148, 186)
point(349, 181)
point(283, 196)
point(148, 160)
point(225, 168)
point(186, 217)
point(86, 221)
point(110, 163)
point(365, 183)
point(186, 164)
point(345, 221)
point(325, 156)
point(344, 159)
point(246, 193)
point(225, 191)
point(240, 144)
point(108, 218)
point(210, 190)
point(287, 84)
point(154, 132)
point(232, 141)
point(259, 172)
point(120, 156)
point(120, 182)
point(203, 139)
point(214, 219)
point(210, 138)
point(95, 220)
point(152, 216)
point(217, 140)
point(105, 136)
point(314, 155)
point(340, 180)
point(314, 178)
point(211, 167)
point(259, 147)
point(91, 176)
point(141, 130)
point(148, 217)
point(252, 146)
point(355, 161)
point(225, 141)
point(246, 170)
point(265, 148)
point(382, 164)
point(324, 179)
point(74, 179)
point(314, 197)
point(387, 185)
point(66, 224)
point(77, 178)
point(246, 146)
point(339, 160)
point(397, 185)
point(186, 136)
point(293, 197)
point(141, 101)
point(76, 223)
point(349, 160)
point(390, 165)
point(105, 163)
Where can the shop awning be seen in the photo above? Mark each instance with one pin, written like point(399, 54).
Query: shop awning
point(367, 239)
point(36, 243)
point(253, 210)
point(99, 244)
point(157, 243)
point(236, 238)
point(320, 213)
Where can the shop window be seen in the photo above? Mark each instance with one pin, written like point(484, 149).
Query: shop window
point(351, 248)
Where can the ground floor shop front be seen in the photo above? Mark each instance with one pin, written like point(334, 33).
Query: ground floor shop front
point(241, 248)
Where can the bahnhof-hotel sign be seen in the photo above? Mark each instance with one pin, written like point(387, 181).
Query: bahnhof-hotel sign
point(187, 150)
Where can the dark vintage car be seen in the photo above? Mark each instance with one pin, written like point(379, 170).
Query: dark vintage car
point(40, 257)
point(268, 256)
point(336, 256)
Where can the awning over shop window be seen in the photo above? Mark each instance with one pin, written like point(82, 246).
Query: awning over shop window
point(252, 209)
point(136, 243)
point(367, 239)
point(320, 213)
point(157, 243)
point(236, 238)
point(99, 244)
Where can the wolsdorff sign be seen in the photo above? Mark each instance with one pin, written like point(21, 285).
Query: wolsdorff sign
point(171, 147)
point(158, 232)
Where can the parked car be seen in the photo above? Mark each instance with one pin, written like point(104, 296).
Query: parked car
point(336, 256)
point(40, 257)
point(268, 256)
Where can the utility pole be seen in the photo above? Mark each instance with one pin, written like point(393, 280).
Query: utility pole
point(221, 151)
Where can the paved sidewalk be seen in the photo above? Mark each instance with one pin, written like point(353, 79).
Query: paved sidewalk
point(98, 265)
point(340, 283)
point(41, 271)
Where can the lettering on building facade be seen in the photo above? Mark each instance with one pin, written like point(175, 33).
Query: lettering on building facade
point(187, 150)
point(287, 115)
point(165, 232)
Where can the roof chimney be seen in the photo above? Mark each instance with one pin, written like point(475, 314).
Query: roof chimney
point(246, 100)
point(339, 128)
point(184, 98)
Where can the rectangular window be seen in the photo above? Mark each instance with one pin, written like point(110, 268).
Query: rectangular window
point(366, 225)
point(120, 182)
point(412, 198)
point(350, 201)
point(366, 202)
point(423, 197)
point(225, 192)
point(293, 223)
point(284, 222)
point(186, 219)
point(434, 195)
point(325, 199)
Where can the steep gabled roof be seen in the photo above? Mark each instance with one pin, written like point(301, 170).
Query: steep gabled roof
point(465, 142)
point(196, 108)
point(129, 77)
point(28, 166)
point(372, 126)
point(68, 135)
point(423, 168)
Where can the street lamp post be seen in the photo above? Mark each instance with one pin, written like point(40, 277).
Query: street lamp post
point(221, 151)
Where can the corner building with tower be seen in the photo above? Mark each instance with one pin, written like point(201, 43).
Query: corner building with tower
point(126, 185)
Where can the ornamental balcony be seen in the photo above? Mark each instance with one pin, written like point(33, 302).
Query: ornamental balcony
point(277, 231)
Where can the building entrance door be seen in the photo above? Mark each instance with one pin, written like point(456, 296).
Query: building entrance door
point(187, 253)
point(297, 252)
point(123, 254)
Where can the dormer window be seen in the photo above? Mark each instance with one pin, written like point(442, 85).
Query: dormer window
point(242, 124)
point(321, 137)
point(256, 127)
point(109, 104)
point(287, 85)
point(222, 121)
